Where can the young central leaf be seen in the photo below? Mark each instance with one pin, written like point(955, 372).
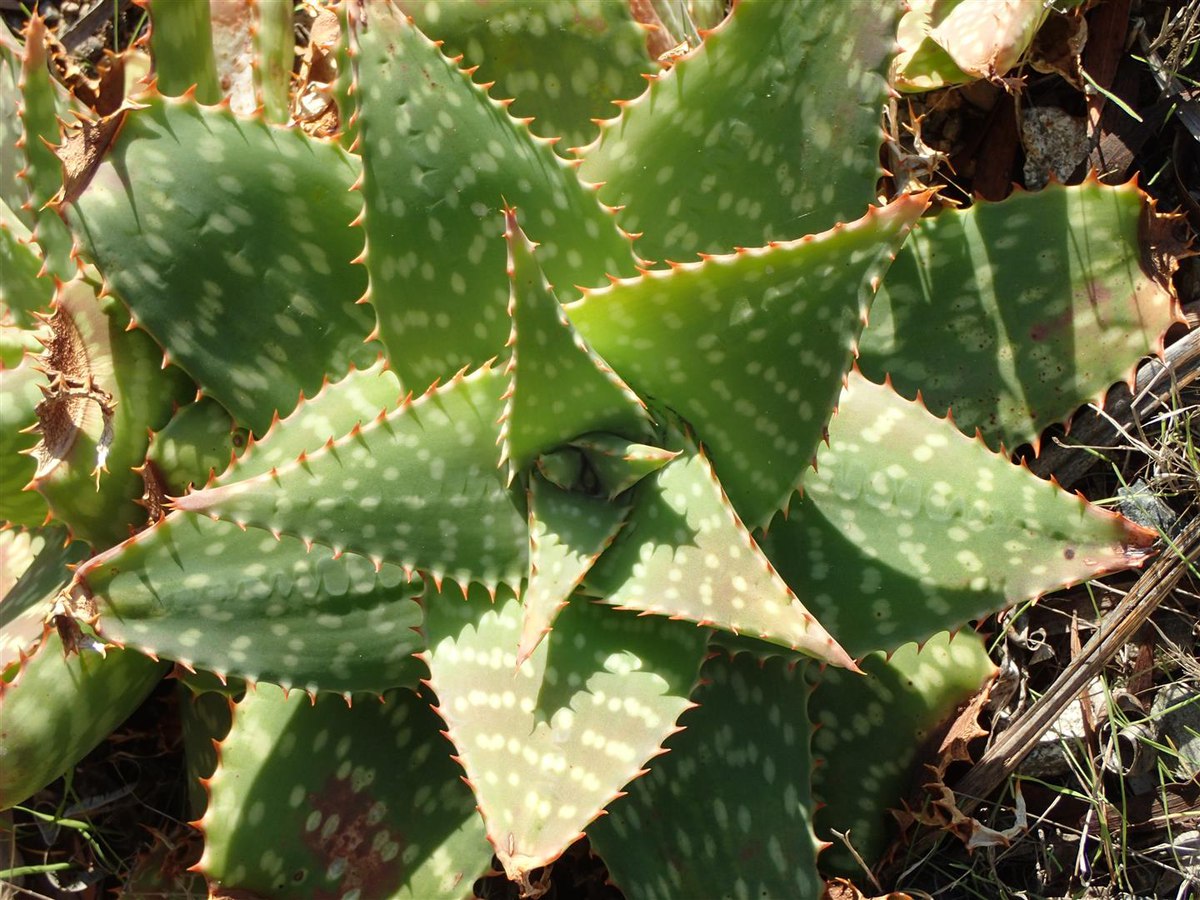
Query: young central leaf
point(751, 349)
point(685, 554)
point(567, 533)
point(560, 387)
point(417, 488)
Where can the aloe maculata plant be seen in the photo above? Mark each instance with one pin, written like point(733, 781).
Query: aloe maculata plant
point(520, 439)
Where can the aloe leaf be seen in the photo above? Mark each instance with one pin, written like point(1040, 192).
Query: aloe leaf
point(19, 397)
point(548, 745)
point(13, 191)
point(685, 554)
point(204, 718)
point(34, 568)
point(619, 464)
point(43, 103)
point(199, 441)
point(751, 348)
point(244, 604)
point(731, 147)
point(359, 397)
point(909, 527)
point(275, 53)
point(378, 808)
point(1011, 349)
point(560, 388)
point(565, 62)
point(440, 161)
point(42, 732)
point(871, 730)
point(44, 693)
point(181, 39)
point(734, 787)
point(567, 534)
point(106, 391)
point(245, 225)
point(22, 292)
point(418, 488)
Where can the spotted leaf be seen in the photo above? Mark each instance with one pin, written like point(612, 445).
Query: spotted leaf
point(750, 348)
point(243, 225)
point(898, 704)
point(547, 745)
point(734, 787)
point(685, 554)
point(440, 160)
point(417, 487)
point(376, 805)
point(244, 604)
point(560, 388)
point(563, 62)
point(1010, 349)
point(909, 527)
point(567, 533)
point(732, 146)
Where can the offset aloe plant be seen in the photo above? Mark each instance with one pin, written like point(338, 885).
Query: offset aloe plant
point(520, 439)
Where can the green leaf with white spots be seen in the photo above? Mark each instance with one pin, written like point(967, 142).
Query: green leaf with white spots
point(181, 40)
point(440, 161)
point(871, 730)
point(727, 812)
point(733, 146)
point(567, 533)
point(563, 61)
point(560, 388)
point(619, 464)
point(245, 226)
point(908, 527)
point(418, 488)
point(241, 603)
point(547, 745)
point(358, 398)
point(329, 800)
point(1012, 348)
point(43, 103)
point(685, 554)
point(750, 349)
point(199, 441)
